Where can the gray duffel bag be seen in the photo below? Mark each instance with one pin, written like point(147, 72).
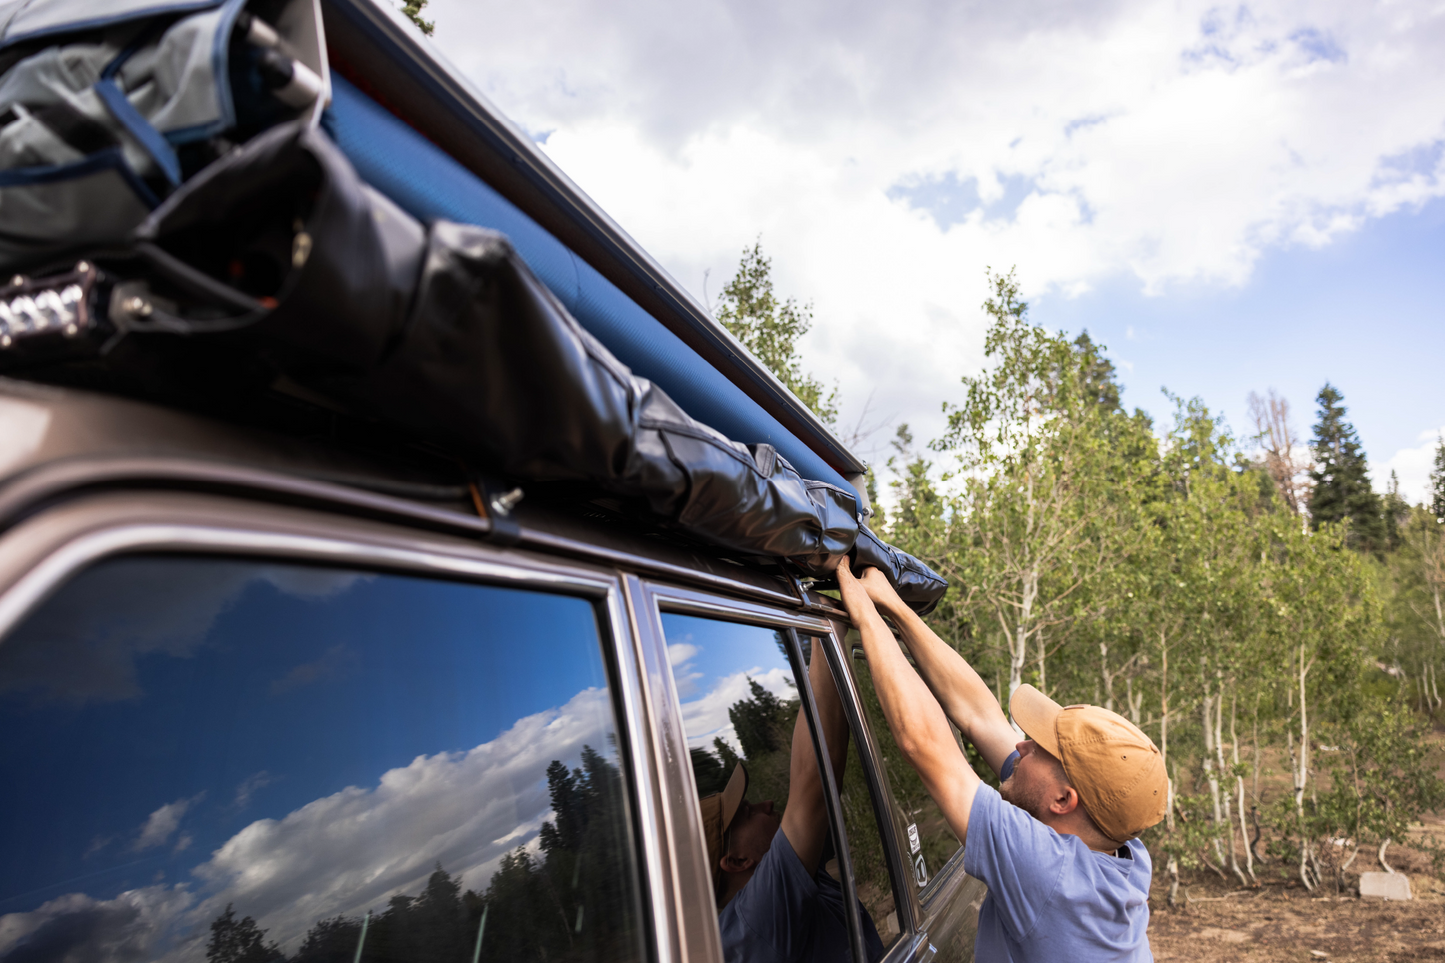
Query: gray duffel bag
point(107, 107)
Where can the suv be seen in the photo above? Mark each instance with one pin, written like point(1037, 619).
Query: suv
point(274, 684)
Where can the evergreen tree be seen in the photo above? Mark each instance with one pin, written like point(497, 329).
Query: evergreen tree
point(758, 721)
point(1097, 373)
point(770, 329)
point(1436, 495)
point(708, 772)
point(1396, 512)
point(1341, 481)
point(239, 941)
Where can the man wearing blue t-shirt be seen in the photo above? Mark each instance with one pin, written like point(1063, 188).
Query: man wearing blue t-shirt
point(1057, 843)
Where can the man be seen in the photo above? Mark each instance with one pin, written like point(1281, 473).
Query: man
point(777, 904)
point(1057, 842)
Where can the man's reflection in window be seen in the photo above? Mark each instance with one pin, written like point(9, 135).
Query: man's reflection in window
point(776, 901)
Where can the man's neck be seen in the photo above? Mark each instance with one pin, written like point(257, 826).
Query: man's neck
point(1066, 826)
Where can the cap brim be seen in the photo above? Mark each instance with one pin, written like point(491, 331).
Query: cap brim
point(1038, 716)
point(733, 795)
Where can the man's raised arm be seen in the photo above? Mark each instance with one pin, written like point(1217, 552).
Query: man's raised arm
point(966, 698)
point(914, 717)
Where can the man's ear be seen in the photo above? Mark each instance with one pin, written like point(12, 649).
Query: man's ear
point(736, 864)
point(1065, 801)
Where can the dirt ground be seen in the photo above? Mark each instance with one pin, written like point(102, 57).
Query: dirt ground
point(1216, 921)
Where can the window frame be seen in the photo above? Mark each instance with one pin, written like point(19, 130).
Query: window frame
point(656, 598)
point(42, 552)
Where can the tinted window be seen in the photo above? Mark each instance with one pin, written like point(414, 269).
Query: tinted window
point(243, 761)
point(923, 833)
point(865, 845)
point(740, 704)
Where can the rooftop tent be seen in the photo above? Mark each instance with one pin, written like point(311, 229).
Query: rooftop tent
point(728, 390)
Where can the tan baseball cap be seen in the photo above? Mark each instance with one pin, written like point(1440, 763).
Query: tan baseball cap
point(718, 811)
point(1116, 769)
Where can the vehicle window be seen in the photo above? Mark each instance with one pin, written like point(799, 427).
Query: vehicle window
point(865, 844)
point(740, 710)
point(248, 762)
point(923, 833)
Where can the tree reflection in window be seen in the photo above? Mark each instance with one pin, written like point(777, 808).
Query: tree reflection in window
point(561, 905)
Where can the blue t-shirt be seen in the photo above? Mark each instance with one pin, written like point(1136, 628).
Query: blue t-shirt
point(784, 916)
point(1050, 897)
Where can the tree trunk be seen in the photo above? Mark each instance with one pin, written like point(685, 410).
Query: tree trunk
point(1019, 638)
point(1239, 790)
point(1107, 676)
point(1136, 705)
point(1301, 772)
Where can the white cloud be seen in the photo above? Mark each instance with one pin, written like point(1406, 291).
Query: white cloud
point(1171, 142)
point(163, 823)
point(78, 929)
point(251, 785)
point(680, 652)
point(706, 718)
point(1413, 466)
point(341, 854)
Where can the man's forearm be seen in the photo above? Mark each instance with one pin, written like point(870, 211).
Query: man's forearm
point(966, 699)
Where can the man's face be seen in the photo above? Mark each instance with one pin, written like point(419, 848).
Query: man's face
point(753, 829)
point(1036, 780)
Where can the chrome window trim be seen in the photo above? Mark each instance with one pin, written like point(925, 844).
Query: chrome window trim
point(99, 528)
point(78, 477)
point(683, 601)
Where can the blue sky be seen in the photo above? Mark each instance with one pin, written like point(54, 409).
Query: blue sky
point(1366, 313)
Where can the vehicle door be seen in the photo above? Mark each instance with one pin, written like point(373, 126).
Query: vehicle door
point(739, 675)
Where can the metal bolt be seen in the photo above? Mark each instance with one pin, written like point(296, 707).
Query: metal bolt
point(137, 306)
point(81, 267)
point(5, 340)
point(505, 503)
point(18, 281)
point(71, 330)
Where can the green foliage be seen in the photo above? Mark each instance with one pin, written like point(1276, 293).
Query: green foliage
point(1342, 491)
point(413, 9)
point(1160, 572)
point(770, 329)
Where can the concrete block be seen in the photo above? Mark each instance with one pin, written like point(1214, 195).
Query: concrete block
point(1385, 885)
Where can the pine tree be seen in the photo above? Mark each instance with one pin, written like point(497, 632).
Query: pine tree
point(1436, 494)
point(1341, 480)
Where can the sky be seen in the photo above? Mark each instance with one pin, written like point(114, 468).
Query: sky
point(1233, 198)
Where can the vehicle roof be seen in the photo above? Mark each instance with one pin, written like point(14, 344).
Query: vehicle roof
point(61, 442)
